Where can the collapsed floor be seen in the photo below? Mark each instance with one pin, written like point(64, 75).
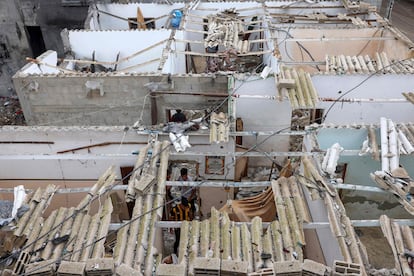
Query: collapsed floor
point(71, 241)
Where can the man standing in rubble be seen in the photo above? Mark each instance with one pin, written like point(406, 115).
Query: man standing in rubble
point(190, 193)
point(180, 212)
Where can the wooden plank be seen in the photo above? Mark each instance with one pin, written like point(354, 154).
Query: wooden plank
point(140, 19)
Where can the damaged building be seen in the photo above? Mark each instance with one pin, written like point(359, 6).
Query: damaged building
point(297, 139)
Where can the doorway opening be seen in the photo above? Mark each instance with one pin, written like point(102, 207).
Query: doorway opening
point(36, 42)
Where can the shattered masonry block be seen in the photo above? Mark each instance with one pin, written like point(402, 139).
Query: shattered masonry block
point(124, 270)
point(343, 268)
point(230, 267)
point(287, 268)
point(103, 266)
point(171, 270)
point(286, 83)
point(311, 268)
point(209, 266)
point(41, 268)
point(23, 260)
point(71, 268)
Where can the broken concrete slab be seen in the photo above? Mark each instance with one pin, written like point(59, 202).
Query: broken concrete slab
point(171, 270)
point(71, 268)
point(287, 268)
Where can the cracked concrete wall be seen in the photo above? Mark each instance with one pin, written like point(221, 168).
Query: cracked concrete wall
point(56, 100)
point(50, 16)
point(13, 44)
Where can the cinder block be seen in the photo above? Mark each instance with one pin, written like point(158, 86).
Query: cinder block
point(104, 266)
point(171, 270)
point(311, 268)
point(23, 260)
point(286, 83)
point(287, 268)
point(263, 272)
point(71, 268)
point(206, 266)
point(341, 268)
point(123, 270)
point(7, 272)
point(41, 268)
point(230, 267)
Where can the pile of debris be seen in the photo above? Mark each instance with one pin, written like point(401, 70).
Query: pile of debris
point(10, 111)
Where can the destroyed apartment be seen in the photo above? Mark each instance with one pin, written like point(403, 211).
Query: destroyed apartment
point(214, 138)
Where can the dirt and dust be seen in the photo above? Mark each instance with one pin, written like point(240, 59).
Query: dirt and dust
point(11, 112)
point(378, 249)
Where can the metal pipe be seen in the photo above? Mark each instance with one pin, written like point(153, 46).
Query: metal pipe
point(385, 163)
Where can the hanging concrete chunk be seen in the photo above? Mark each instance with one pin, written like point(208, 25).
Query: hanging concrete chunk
point(310, 268)
point(145, 181)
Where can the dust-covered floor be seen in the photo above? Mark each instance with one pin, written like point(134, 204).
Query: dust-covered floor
point(378, 249)
point(402, 17)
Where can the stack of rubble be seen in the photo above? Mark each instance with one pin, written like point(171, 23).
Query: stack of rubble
point(134, 247)
point(401, 240)
point(351, 248)
point(224, 29)
point(299, 88)
point(67, 234)
point(400, 184)
point(219, 128)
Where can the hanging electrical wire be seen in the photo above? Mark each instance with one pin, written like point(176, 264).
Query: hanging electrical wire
point(361, 83)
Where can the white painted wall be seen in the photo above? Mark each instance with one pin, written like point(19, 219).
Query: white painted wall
point(107, 44)
point(262, 114)
point(387, 86)
point(40, 161)
point(175, 63)
point(149, 10)
point(47, 63)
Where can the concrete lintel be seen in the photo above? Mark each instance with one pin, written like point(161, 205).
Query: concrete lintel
point(354, 187)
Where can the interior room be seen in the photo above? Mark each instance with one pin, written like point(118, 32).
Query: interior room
point(355, 166)
point(310, 48)
point(118, 16)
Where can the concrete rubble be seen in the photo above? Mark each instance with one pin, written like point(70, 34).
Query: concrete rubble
point(260, 235)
